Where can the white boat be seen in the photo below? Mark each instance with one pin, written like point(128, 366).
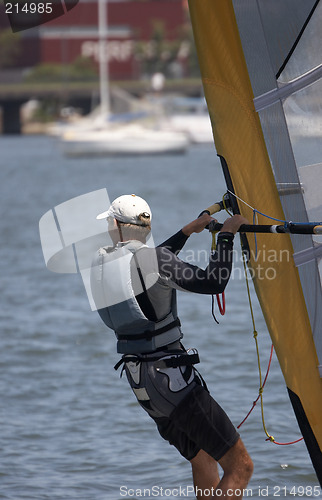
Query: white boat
point(132, 139)
point(190, 116)
point(196, 127)
point(94, 121)
point(103, 136)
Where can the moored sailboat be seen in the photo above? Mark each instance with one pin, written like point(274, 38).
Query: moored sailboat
point(104, 136)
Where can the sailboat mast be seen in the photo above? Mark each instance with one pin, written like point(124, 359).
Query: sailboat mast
point(103, 57)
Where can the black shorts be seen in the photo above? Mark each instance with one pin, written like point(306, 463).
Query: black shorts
point(185, 413)
point(198, 423)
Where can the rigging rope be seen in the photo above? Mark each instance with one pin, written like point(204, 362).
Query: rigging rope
point(221, 305)
point(261, 384)
point(225, 206)
point(255, 333)
point(256, 400)
point(255, 210)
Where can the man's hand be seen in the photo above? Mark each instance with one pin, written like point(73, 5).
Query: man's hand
point(197, 225)
point(232, 224)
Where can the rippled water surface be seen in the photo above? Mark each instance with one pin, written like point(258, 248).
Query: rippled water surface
point(70, 427)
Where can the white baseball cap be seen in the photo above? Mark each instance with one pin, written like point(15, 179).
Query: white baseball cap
point(128, 208)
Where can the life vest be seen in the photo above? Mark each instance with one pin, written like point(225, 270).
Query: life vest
point(114, 292)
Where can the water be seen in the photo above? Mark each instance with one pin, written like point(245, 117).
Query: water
point(70, 427)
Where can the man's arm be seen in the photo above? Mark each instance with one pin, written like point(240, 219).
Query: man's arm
point(185, 276)
point(176, 242)
point(215, 277)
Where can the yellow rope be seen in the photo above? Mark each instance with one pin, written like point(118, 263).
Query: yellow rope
point(225, 207)
point(255, 334)
point(213, 242)
point(214, 233)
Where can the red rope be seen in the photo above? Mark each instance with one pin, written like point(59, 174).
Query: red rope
point(284, 444)
point(254, 403)
point(222, 306)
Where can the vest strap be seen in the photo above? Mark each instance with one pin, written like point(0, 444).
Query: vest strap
point(149, 334)
point(173, 361)
point(181, 360)
point(147, 298)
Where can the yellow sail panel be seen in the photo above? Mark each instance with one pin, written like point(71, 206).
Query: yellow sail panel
point(239, 139)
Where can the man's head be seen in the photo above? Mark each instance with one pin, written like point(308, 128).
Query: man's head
point(129, 217)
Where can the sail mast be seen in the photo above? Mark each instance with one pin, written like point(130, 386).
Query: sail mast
point(241, 47)
point(103, 57)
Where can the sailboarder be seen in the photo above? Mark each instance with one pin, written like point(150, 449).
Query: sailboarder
point(134, 290)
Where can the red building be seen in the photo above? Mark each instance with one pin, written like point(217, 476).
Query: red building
point(130, 22)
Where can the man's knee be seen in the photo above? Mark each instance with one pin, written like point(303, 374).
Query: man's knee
point(248, 467)
point(204, 470)
point(202, 460)
point(237, 461)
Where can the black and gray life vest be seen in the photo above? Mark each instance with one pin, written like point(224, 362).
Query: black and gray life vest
point(117, 278)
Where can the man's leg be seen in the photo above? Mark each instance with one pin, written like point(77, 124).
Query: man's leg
point(205, 474)
point(237, 466)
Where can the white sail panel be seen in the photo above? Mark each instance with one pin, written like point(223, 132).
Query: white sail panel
point(303, 111)
point(307, 52)
point(279, 49)
point(269, 30)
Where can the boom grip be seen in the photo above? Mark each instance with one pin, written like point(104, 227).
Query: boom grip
point(213, 209)
point(216, 207)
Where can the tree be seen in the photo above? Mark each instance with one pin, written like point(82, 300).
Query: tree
point(80, 70)
point(10, 48)
point(157, 54)
point(173, 58)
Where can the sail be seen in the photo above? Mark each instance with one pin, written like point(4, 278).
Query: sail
point(262, 75)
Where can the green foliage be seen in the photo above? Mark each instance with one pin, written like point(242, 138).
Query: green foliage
point(173, 58)
point(82, 69)
point(192, 64)
point(47, 111)
point(10, 48)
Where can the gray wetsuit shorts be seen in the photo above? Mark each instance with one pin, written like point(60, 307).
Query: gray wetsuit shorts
point(182, 408)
